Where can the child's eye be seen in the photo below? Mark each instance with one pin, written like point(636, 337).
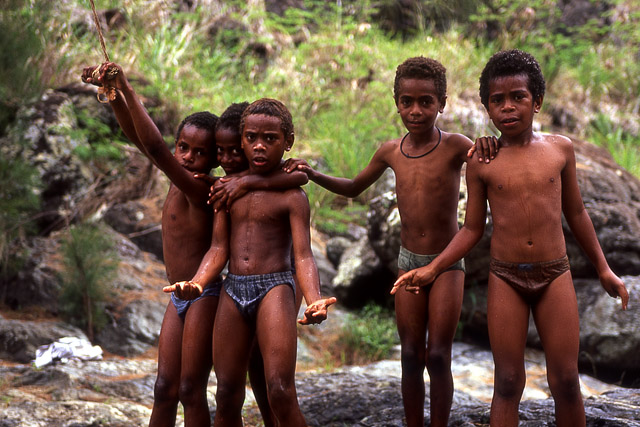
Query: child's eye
point(236, 151)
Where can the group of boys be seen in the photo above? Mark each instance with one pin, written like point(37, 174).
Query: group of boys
point(260, 226)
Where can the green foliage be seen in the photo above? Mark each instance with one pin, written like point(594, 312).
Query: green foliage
point(18, 202)
point(21, 38)
point(368, 335)
point(89, 262)
point(623, 146)
point(101, 142)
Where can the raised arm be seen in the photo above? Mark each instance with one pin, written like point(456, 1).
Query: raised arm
point(120, 110)
point(151, 141)
point(212, 263)
point(464, 240)
point(306, 269)
point(345, 186)
point(580, 223)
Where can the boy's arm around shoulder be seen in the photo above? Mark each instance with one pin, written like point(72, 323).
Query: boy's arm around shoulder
point(306, 269)
point(345, 186)
point(581, 225)
point(230, 188)
point(212, 263)
point(464, 240)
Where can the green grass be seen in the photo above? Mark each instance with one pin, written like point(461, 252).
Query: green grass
point(334, 71)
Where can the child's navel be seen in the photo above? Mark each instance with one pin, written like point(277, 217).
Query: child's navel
point(499, 186)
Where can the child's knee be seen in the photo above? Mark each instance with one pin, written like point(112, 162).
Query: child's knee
point(509, 385)
point(413, 356)
point(438, 359)
point(564, 384)
point(165, 390)
point(191, 391)
point(229, 397)
point(281, 393)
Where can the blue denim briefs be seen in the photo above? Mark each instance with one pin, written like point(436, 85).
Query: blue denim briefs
point(182, 305)
point(248, 291)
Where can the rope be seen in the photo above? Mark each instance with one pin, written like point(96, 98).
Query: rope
point(99, 28)
point(105, 93)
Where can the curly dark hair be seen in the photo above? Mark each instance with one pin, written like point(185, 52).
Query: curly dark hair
point(231, 117)
point(270, 107)
point(420, 67)
point(202, 120)
point(512, 62)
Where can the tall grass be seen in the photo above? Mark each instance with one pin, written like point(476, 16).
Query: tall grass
point(334, 68)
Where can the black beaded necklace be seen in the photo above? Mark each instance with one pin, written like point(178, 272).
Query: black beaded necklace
point(424, 154)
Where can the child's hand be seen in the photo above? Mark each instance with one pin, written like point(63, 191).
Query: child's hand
point(186, 290)
point(487, 150)
point(317, 312)
point(291, 165)
point(87, 75)
point(615, 287)
point(226, 191)
point(414, 279)
point(211, 180)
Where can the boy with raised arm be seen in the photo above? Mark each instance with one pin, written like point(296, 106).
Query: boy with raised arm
point(427, 163)
point(185, 343)
point(258, 299)
point(529, 269)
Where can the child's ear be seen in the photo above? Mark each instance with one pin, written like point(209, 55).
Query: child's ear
point(443, 103)
point(537, 104)
point(289, 143)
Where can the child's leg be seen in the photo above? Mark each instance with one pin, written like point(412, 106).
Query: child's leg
point(556, 316)
point(445, 304)
point(232, 338)
point(259, 386)
point(165, 392)
point(411, 319)
point(508, 322)
point(197, 360)
point(277, 336)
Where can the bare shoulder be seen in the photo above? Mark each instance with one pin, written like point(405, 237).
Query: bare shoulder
point(456, 140)
point(387, 148)
point(560, 141)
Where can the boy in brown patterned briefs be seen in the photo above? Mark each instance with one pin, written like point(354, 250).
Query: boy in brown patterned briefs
point(527, 199)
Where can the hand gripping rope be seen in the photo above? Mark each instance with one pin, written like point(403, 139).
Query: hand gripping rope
point(105, 93)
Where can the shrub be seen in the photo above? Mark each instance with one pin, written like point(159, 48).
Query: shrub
point(18, 203)
point(89, 261)
point(368, 335)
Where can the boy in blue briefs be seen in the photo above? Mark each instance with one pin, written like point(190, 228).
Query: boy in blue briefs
point(258, 300)
point(427, 163)
point(529, 266)
point(185, 343)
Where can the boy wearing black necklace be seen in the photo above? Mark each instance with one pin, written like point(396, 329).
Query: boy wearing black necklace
point(427, 163)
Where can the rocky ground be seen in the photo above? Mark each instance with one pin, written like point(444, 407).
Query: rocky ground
point(117, 391)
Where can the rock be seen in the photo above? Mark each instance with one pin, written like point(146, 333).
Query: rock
point(135, 330)
point(336, 247)
point(361, 277)
point(140, 221)
point(39, 284)
point(610, 337)
point(118, 392)
point(19, 339)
